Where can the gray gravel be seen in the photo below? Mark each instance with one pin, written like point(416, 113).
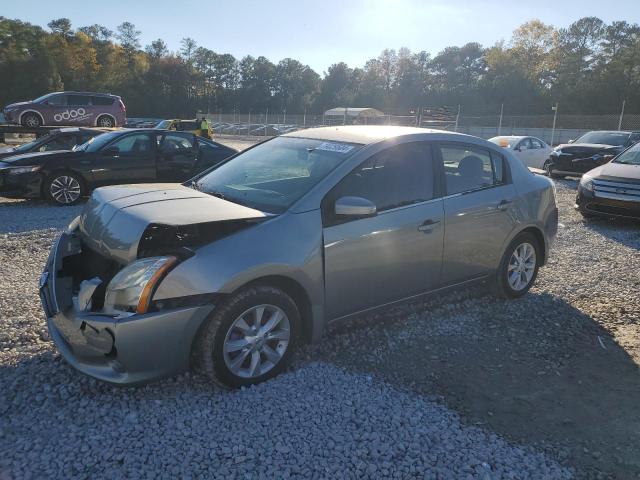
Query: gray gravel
point(318, 421)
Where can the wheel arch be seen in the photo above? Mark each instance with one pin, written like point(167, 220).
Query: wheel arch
point(299, 295)
point(115, 122)
point(30, 111)
point(539, 236)
point(52, 173)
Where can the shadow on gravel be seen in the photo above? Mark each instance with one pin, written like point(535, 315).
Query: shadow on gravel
point(22, 216)
point(535, 370)
point(626, 232)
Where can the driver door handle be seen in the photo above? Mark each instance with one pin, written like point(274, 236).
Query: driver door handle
point(428, 225)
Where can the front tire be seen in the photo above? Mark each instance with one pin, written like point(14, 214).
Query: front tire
point(64, 188)
point(250, 338)
point(519, 266)
point(31, 120)
point(549, 169)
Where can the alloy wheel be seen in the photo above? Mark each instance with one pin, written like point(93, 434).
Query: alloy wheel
point(105, 122)
point(31, 121)
point(521, 267)
point(65, 189)
point(256, 341)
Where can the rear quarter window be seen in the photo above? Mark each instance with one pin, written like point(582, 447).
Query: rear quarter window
point(102, 100)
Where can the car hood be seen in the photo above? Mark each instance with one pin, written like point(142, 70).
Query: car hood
point(580, 148)
point(16, 105)
point(616, 171)
point(35, 158)
point(116, 219)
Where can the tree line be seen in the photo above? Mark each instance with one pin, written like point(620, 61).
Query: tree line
point(589, 67)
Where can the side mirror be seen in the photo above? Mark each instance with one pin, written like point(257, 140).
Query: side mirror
point(111, 152)
point(517, 149)
point(355, 207)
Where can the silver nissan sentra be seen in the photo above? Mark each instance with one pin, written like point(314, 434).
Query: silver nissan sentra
point(234, 268)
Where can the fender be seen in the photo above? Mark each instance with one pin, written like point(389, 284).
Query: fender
point(30, 111)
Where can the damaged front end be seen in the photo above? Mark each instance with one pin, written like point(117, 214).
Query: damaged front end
point(98, 285)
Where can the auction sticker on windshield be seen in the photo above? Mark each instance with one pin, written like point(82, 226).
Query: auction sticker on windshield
point(335, 147)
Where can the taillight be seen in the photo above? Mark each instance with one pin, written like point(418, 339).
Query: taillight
point(122, 107)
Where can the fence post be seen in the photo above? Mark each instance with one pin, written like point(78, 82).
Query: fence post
point(553, 129)
point(457, 118)
point(621, 115)
point(304, 119)
point(249, 123)
point(266, 117)
point(500, 122)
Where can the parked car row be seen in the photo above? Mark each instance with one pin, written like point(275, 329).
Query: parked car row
point(255, 129)
point(124, 156)
point(608, 163)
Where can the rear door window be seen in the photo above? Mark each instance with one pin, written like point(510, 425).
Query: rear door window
point(468, 168)
point(78, 100)
point(102, 100)
point(176, 142)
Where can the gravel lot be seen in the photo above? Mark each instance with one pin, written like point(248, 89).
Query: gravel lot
point(464, 386)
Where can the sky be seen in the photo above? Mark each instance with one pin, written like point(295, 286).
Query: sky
point(321, 32)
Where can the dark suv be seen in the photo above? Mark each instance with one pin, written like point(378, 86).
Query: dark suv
point(69, 108)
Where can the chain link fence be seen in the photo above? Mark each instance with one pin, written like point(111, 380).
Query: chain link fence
point(552, 128)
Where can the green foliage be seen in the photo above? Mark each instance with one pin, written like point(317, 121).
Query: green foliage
point(588, 67)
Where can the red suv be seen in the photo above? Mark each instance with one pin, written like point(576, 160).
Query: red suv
point(69, 108)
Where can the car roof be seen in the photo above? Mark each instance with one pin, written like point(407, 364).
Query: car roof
point(79, 129)
point(514, 137)
point(363, 134)
point(628, 132)
point(93, 94)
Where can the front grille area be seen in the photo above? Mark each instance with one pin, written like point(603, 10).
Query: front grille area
point(617, 190)
point(613, 210)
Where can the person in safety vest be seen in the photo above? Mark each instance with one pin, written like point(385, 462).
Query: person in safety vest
point(204, 128)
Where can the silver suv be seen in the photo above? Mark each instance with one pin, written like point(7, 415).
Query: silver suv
point(236, 267)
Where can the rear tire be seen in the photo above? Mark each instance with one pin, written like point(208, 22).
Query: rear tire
point(105, 121)
point(519, 266)
point(64, 188)
point(249, 338)
point(31, 120)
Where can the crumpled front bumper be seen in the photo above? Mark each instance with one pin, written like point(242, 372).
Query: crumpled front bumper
point(124, 351)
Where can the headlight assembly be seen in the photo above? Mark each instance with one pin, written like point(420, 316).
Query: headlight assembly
point(130, 291)
point(586, 182)
point(19, 170)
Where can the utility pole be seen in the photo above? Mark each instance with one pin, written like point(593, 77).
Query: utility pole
point(266, 123)
point(555, 115)
point(304, 118)
point(500, 122)
point(621, 115)
point(457, 118)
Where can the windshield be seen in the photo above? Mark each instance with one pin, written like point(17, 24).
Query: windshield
point(504, 142)
point(163, 124)
point(274, 174)
point(96, 143)
point(630, 156)
point(616, 139)
point(25, 147)
point(43, 97)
